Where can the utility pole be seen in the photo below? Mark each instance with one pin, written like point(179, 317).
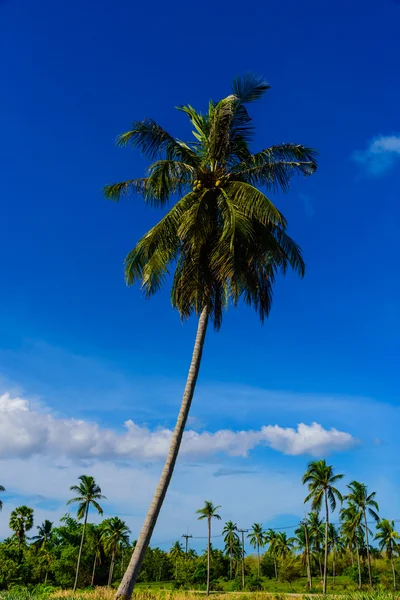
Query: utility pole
point(243, 531)
point(304, 523)
point(186, 536)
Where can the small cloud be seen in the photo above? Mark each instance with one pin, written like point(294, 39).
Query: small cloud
point(195, 423)
point(227, 472)
point(380, 155)
point(377, 441)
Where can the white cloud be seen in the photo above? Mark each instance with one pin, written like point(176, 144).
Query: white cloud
point(25, 431)
point(380, 155)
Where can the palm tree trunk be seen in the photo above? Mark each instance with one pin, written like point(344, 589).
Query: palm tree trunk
point(258, 555)
point(367, 544)
point(359, 567)
point(326, 543)
point(230, 560)
point(394, 573)
point(276, 569)
point(110, 574)
point(333, 567)
point(47, 574)
point(94, 570)
point(309, 578)
point(208, 556)
point(80, 548)
point(132, 572)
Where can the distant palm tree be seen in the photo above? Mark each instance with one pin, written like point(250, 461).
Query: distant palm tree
point(366, 504)
point(96, 544)
point(388, 539)
point(209, 512)
point(257, 540)
point(284, 545)
point(223, 238)
point(175, 553)
point(270, 538)
point(320, 479)
point(21, 521)
point(317, 536)
point(115, 536)
point(351, 519)
point(335, 545)
point(303, 544)
point(2, 489)
point(45, 531)
point(231, 537)
point(89, 492)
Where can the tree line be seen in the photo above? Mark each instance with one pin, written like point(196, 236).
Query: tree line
point(81, 553)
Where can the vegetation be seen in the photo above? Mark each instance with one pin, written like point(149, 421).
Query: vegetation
point(223, 238)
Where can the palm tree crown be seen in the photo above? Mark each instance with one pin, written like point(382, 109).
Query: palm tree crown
point(387, 537)
point(89, 492)
point(224, 236)
point(115, 534)
point(21, 521)
point(209, 511)
point(45, 531)
point(2, 489)
point(320, 479)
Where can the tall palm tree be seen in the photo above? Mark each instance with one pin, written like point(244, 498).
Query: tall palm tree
point(45, 532)
point(270, 538)
point(88, 493)
point(303, 544)
point(321, 479)
point(21, 521)
point(257, 540)
point(224, 238)
point(366, 504)
point(388, 540)
point(335, 546)
point(351, 519)
point(209, 512)
point(231, 538)
point(2, 489)
point(115, 537)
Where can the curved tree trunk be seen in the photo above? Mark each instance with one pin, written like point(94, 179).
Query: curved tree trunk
point(394, 573)
point(80, 548)
point(326, 543)
point(94, 569)
point(132, 572)
point(111, 571)
point(359, 568)
point(208, 556)
point(367, 544)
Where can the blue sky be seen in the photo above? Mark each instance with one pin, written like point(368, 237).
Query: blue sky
point(81, 352)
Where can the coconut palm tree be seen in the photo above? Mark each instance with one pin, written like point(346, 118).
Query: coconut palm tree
point(303, 544)
point(89, 492)
point(21, 521)
point(366, 504)
point(335, 546)
point(321, 479)
point(176, 553)
point(388, 540)
point(257, 540)
point(45, 532)
point(115, 535)
point(230, 538)
point(270, 538)
point(209, 512)
point(283, 545)
point(97, 547)
point(2, 489)
point(317, 535)
point(224, 238)
point(351, 519)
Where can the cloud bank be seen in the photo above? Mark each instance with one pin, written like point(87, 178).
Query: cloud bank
point(25, 431)
point(380, 155)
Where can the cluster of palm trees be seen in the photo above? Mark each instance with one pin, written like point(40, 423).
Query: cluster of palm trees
point(317, 537)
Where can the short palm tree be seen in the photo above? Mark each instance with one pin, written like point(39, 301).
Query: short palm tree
point(317, 536)
point(21, 521)
point(45, 532)
point(115, 537)
point(209, 512)
point(366, 504)
point(257, 541)
point(335, 546)
point(96, 545)
point(351, 519)
point(2, 489)
point(320, 479)
point(176, 553)
point(303, 544)
point(89, 493)
point(230, 538)
point(224, 238)
point(388, 540)
point(284, 545)
point(270, 538)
